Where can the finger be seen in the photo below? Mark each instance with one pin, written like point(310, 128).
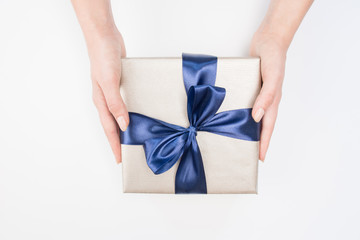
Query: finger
point(272, 76)
point(112, 132)
point(264, 100)
point(268, 124)
point(108, 122)
point(114, 102)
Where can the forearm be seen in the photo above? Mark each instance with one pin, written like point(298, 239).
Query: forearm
point(283, 19)
point(96, 21)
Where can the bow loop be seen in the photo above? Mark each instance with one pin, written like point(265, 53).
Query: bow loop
point(148, 127)
point(203, 102)
point(162, 153)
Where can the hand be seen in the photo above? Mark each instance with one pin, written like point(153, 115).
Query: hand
point(272, 55)
point(105, 54)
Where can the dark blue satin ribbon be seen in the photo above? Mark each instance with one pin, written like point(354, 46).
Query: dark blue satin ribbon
point(166, 143)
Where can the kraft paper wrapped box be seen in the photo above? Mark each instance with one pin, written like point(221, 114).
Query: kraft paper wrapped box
point(154, 87)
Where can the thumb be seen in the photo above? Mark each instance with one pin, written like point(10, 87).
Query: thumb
point(116, 104)
point(263, 102)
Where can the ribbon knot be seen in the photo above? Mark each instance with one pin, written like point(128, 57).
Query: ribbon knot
point(165, 144)
point(192, 130)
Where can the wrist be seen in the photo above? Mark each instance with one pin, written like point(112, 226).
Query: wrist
point(268, 40)
point(98, 34)
point(282, 40)
point(105, 45)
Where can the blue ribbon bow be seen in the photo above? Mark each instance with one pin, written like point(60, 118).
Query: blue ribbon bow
point(166, 143)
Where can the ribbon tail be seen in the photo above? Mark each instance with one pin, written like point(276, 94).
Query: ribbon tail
point(198, 69)
point(190, 175)
point(234, 123)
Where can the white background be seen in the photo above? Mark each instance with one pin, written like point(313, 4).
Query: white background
point(58, 178)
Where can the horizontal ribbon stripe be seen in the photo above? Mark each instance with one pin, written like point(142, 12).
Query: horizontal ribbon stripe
point(165, 144)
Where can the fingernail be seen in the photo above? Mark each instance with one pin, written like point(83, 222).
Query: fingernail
point(122, 123)
point(259, 114)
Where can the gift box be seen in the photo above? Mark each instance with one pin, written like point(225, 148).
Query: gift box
point(191, 129)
